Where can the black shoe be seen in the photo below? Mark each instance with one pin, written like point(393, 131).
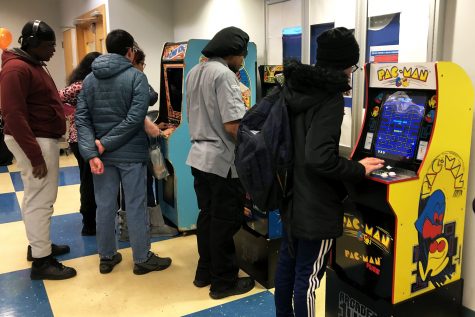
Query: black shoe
point(243, 285)
point(200, 283)
point(106, 265)
point(50, 269)
point(88, 231)
point(154, 263)
point(55, 251)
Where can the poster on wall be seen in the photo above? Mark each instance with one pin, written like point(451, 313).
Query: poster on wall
point(382, 38)
point(384, 54)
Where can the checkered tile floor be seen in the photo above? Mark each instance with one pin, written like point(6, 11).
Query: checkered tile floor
point(121, 293)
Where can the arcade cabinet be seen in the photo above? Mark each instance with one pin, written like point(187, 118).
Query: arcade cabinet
point(270, 76)
point(258, 241)
point(176, 192)
point(401, 250)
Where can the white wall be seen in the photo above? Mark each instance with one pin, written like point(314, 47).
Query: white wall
point(70, 10)
point(201, 19)
point(151, 24)
point(14, 14)
point(279, 16)
point(414, 30)
point(459, 45)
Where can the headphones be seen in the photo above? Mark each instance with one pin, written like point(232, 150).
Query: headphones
point(32, 40)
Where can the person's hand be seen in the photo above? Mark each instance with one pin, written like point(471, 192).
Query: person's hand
point(152, 130)
point(97, 167)
point(163, 125)
point(371, 164)
point(247, 212)
point(167, 132)
point(100, 147)
point(40, 171)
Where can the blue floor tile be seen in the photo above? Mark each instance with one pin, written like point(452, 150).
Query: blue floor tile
point(9, 208)
point(66, 229)
point(16, 180)
point(67, 176)
point(20, 296)
point(261, 304)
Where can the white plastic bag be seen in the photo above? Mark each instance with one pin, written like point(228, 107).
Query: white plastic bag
point(160, 170)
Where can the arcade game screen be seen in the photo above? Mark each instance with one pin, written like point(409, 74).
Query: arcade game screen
point(401, 116)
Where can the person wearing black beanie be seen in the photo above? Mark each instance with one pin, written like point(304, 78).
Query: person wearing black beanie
point(337, 48)
point(215, 108)
point(313, 217)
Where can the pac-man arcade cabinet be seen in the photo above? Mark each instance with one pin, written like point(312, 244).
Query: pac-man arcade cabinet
point(176, 192)
point(401, 250)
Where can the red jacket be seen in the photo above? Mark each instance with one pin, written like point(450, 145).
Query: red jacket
point(30, 103)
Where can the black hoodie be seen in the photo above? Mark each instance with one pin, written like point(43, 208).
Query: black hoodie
point(315, 100)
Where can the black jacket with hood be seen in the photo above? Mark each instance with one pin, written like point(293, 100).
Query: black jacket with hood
point(316, 108)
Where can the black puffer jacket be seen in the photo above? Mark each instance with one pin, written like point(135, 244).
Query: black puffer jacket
point(315, 100)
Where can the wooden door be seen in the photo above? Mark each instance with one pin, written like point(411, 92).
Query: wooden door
point(68, 51)
point(91, 32)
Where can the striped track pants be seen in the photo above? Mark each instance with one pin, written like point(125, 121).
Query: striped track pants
point(299, 276)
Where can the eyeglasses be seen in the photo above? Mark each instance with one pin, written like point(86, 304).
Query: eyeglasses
point(354, 68)
point(134, 49)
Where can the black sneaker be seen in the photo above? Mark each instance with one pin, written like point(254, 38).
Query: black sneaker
point(243, 285)
point(106, 265)
point(154, 263)
point(201, 283)
point(50, 269)
point(55, 251)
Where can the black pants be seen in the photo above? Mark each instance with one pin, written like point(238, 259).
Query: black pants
point(86, 189)
point(221, 203)
point(299, 275)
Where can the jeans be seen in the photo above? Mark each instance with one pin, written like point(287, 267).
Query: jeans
point(297, 277)
point(221, 203)
point(106, 188)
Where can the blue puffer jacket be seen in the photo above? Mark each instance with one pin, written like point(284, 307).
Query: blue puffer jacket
point(112, 107)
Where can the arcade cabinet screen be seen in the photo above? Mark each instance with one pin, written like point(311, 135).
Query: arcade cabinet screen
point(401, 117)
point(175, 81)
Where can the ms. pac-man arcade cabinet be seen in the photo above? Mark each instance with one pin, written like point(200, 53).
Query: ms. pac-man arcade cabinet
point(176, 192)
point(401, 250)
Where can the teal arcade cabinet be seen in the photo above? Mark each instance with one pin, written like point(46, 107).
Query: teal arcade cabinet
point(176, 192)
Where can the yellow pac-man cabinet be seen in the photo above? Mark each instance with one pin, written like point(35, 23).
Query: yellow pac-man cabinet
point(401, 250)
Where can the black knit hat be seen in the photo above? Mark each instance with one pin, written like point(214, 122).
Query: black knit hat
point(230, 41)
point(337, 48)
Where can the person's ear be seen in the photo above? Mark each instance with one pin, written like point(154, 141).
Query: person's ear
point(130, 54)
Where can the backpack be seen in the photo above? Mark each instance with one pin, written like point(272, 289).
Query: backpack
point(264, 151)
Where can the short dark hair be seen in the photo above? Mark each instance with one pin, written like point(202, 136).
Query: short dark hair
point(139, 55)
point(83, 69)
point(119, 41)
point(43, 33)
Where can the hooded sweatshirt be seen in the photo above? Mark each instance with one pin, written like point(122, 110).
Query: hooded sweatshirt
point(30, 103)
point(315, 100)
